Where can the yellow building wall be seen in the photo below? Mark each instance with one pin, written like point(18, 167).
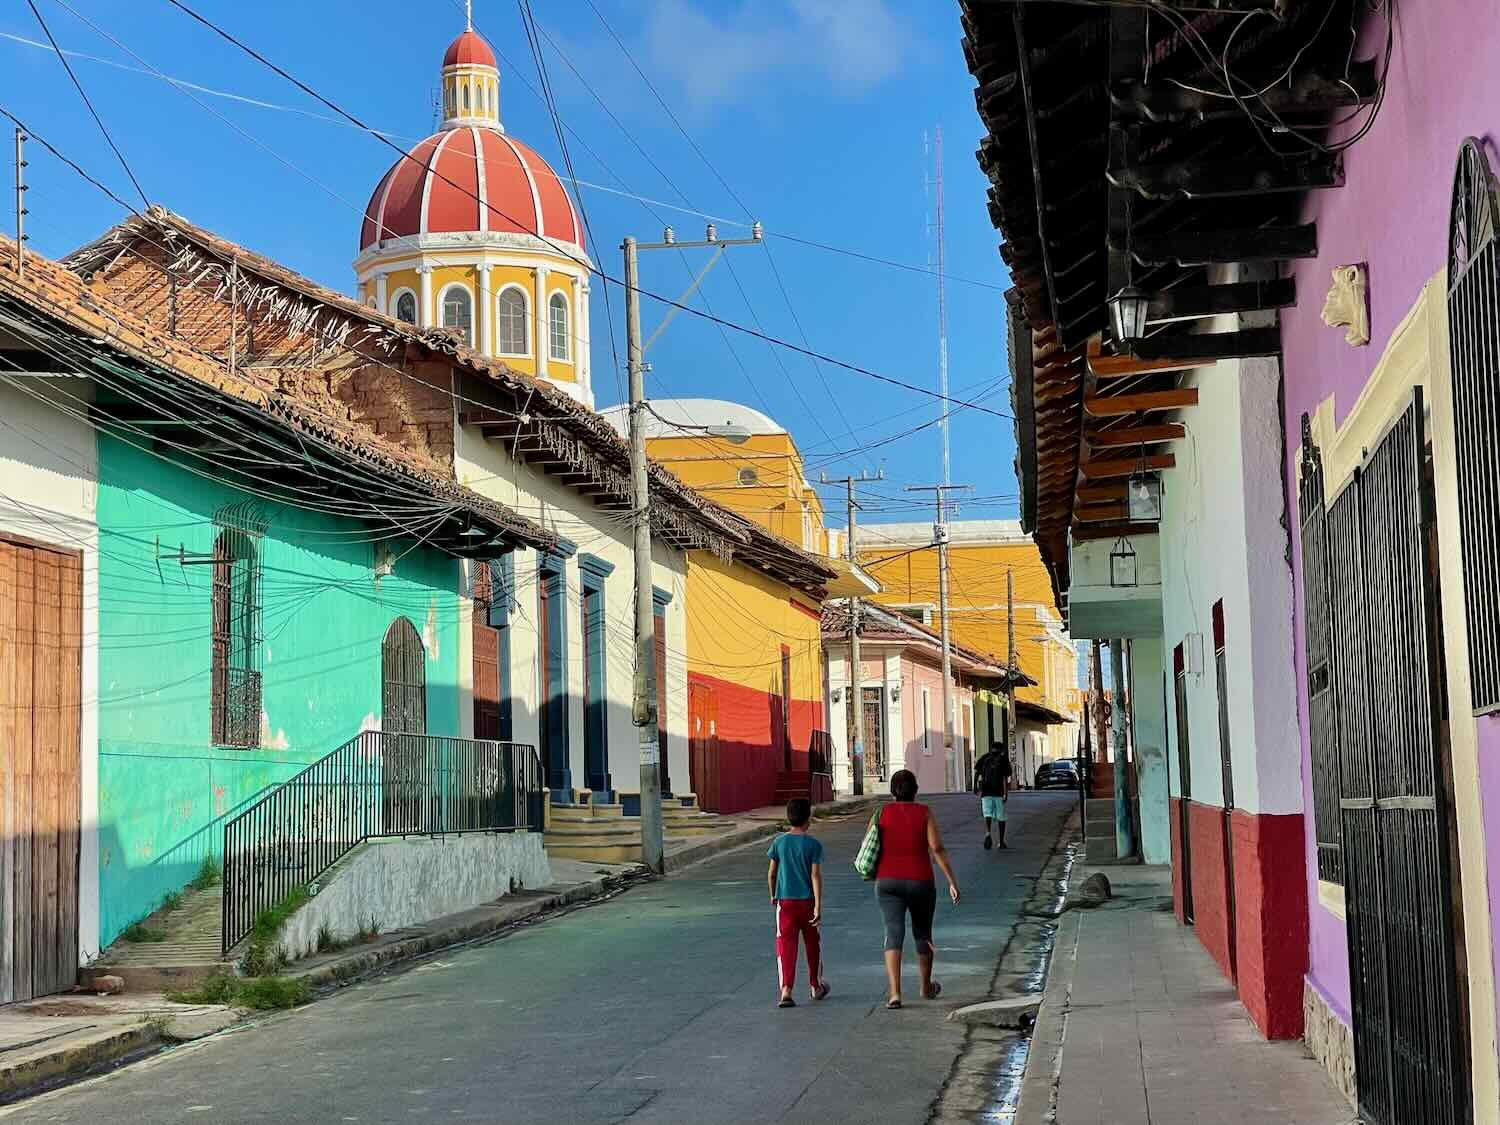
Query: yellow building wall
point(976, 595)
point(712, 466)
point(737, 621)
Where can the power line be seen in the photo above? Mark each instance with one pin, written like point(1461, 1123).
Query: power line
point(82, 93)
point(562, 251)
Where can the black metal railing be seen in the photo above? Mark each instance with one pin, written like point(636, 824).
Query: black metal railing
point(376, 784)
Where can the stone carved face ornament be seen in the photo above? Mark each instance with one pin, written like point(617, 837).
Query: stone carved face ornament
point(1347, 304)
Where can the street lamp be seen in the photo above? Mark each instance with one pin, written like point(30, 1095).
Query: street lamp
point(1123, 564)
point(1127, 313)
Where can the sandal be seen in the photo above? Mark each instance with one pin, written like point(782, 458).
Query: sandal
point(822, 991)
point(786, 1002)
point(892, 1005)
point(934, 990)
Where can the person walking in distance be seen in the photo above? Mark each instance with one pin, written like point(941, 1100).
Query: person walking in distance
point(909, 842)
point(795, 880)
point(992, 779)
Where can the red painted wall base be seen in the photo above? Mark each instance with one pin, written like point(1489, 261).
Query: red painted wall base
point(749, 743)
point(1249, 897)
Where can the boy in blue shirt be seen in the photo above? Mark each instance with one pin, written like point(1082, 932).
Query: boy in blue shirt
point(795, 880)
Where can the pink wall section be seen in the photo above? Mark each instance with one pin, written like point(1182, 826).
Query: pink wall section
point(1392, 214)
point(929, 767)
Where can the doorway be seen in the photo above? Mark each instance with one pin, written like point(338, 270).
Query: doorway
point(873, 731)
point(41, 625)
point(703, 745)
point(406, 789)
point(1185, 776)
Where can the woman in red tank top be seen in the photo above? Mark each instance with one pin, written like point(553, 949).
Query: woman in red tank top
point(909, 842)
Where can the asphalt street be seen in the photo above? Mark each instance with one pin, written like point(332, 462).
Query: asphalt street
point(657, 1006)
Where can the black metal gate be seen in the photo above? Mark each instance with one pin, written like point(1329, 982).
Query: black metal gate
point(1375, 724)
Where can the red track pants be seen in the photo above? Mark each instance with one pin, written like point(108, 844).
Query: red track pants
point(794, 917)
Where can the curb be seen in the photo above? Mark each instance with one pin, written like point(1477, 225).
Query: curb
point(69, 1063)
point(360, 964)
point(697, 853)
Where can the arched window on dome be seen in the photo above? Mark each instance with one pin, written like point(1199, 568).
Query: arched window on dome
point(557, 326)
point(405, 307)
point(458, 312)
point(511, 321)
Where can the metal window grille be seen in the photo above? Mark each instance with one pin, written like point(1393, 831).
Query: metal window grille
point(1316, 621)
point(458, 312)
point(511, 322)
point(557, 323)
point(1474, 332)
point(235, 702)
point(406, 308)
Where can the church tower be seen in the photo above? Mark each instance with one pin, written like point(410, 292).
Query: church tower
point(473, 231)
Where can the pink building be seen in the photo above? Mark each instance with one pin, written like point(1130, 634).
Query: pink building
point(901, 700)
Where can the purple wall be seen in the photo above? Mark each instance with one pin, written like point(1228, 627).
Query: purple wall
point(1392, 213)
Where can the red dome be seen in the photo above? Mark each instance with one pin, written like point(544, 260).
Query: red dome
point(436, 188)
point(469, 50)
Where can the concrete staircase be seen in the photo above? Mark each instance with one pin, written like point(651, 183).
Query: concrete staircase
point(604, 834)
point(189, 953)
point(1099, 830)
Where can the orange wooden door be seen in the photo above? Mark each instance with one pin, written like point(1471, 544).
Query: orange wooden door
point(41, 624)
point(703, 747)
point(486, 659)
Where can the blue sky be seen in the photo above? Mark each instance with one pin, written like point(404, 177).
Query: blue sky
point(812, 111)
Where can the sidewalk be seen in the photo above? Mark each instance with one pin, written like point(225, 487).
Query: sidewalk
point(1139, 1027)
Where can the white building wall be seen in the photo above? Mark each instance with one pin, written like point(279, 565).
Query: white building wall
point(485, 466)
point(48, 495)
point(1222, 538)
point(1149, 713)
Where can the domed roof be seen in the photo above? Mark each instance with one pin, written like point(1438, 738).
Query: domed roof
point(436, 188)
point(469, 50)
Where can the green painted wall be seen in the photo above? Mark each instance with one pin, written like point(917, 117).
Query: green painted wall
point(164, 789)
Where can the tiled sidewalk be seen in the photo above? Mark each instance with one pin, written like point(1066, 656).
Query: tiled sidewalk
point(1140, 1028)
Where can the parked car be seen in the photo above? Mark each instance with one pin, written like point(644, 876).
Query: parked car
point(1059, 774)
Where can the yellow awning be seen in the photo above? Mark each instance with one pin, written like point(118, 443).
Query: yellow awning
point(851, 581)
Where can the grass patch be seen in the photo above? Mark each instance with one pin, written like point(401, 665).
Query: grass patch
point(370, 930)
point(171, 900)
point(137, 932)
point(260, 993)
point(327, 943)
point(209, 874)
point(264, 956)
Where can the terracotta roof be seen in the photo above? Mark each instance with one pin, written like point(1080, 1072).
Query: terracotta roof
point(469, 49)
point(61, 297)
point(581, 424)
point(876, 623)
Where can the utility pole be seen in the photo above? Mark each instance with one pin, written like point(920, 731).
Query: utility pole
point(854, 706)
point(643, 704)
point(940, 540)
point(1124, 829)
point(20, 203)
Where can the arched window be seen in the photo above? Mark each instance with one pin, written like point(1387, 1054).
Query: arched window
point(512, 321)
point(466, 97)
point(235, 677)
point(557, 326)
point(406, 306)
point(458, 312)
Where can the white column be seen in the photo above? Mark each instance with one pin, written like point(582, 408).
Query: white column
point(541, 333)
point(424, 298)
point(484, 315)
point(380, 294)
point(581, 357)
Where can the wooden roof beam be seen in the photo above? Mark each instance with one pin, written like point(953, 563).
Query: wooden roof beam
point(1100, 513)
point(1115, 406)
point(1113, 531)
point(1223, 179)
point(1137, 435)
point(1187, 248)
point(1125, 466)
point(1203, 348)
point(1100, 493)
point(1312, 92)
point(1187, 302)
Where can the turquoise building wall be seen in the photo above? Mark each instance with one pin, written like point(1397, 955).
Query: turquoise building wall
point(164, 788)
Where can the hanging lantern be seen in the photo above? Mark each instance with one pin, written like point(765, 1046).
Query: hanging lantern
point(1123, 565)
point(1127, 313)
point(1143, 498)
